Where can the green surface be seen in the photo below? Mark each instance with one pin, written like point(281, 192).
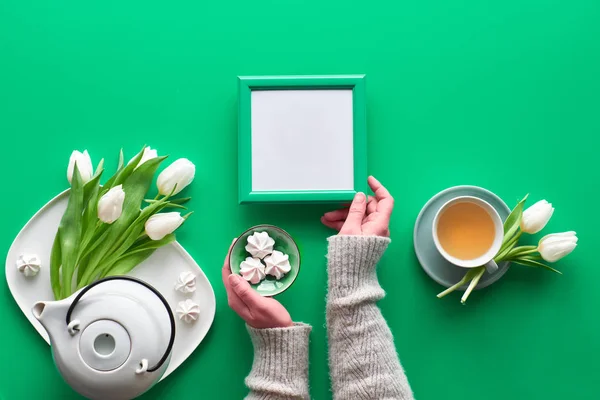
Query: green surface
point(247, 84)
point(505, 95)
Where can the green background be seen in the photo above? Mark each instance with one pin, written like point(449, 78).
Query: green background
point(505, 95)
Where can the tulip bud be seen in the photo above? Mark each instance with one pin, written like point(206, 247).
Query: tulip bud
point(555, 246)
point(147, 155)
point(110, 205)
point(176, 176)
point(160, 225)
point(84, 165)
point(536, 217)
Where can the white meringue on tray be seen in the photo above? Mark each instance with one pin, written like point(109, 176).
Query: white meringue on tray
point(260, 244)
point(186, 282)
point(277, 264)
point(188, 311)
point(252, 270)
point(29, 264)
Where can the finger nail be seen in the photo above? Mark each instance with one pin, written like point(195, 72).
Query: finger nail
point(360, 197)
point(234, 280)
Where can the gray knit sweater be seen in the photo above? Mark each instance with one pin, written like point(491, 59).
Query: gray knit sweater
point(362, 358)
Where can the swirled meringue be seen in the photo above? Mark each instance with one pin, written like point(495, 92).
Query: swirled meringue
point(29, 264)
point(188, 311)
point(260, 244)
point(186, 282)
point(277, 264)
point(252, 270)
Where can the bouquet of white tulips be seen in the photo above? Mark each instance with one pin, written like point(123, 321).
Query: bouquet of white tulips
point(104, 230)
point(550, 248)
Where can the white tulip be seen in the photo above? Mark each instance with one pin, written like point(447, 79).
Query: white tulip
point(110, 205)
point(180, 173)
point(84, 165)
point(147, 155)
point(555, 246)
point(536, 217)
point(160, 225)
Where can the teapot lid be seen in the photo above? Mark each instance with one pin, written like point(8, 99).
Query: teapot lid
point(114, 337)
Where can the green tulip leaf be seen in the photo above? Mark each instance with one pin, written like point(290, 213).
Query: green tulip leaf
point(121, 160)
point(55, 261)
point(125, 264)
point(69, 230)
point(181, 200)
point(531, 263)
point(169, 204)
point(91, 186)
point(99, 168)
point(129, 262)
point(124, 173)
point(148, 243)
point(512, 223)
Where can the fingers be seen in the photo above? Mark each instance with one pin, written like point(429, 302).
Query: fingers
point(242, 289)
point(337, 225)
point(237, 305)
point(337, 215)
point(226, 270)
point(385, 201)
point(357, 210)
point(371, 205)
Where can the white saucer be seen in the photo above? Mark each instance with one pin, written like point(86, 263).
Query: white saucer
point(432, 262)
point(160, 270)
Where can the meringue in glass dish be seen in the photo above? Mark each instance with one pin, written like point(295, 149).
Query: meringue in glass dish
point(280, 272)
point(260, 244)
point(252, 270)
point(277, 264)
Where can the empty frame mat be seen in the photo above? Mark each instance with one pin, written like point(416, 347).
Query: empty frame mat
point(301, 138)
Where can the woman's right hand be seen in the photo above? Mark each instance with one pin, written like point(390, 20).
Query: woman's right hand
point(368, 218)
point(258, 312)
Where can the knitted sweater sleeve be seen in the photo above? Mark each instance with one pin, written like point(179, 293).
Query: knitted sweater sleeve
point(280, 367)
point(363, 361)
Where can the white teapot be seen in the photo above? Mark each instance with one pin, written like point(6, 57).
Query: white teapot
point(112, 339)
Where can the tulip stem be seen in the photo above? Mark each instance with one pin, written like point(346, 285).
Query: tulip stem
point(521, 251)
point(468, 276)
point(511, 242)
point(472, 285)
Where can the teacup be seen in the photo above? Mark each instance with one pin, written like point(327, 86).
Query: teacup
point(468, 232)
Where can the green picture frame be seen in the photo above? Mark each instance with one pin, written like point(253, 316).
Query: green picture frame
point(247, 84)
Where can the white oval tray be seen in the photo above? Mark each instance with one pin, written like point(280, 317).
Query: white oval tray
point(160, 270)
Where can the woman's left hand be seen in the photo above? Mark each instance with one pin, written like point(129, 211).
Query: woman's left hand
point(258, 312)
point(368, 218)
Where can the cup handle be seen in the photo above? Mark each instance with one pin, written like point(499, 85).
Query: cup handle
point(491, 267)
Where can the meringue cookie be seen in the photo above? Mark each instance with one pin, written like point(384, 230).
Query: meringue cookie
point(260, 244)
point(278, 264)
point(186, 282)
point(29, 264)
point(252, 270)
point(188, 311)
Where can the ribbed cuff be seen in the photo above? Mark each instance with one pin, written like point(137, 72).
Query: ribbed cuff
point(280, 360)
point(352, 261)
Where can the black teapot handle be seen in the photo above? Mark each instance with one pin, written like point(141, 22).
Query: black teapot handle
point(151, 288)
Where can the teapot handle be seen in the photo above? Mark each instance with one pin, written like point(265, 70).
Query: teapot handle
point(153, 290)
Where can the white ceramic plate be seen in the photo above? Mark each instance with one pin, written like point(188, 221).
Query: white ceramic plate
point(160, 270)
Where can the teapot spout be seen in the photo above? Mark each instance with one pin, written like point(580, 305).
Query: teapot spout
point(38, 310)
point(51, 314)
